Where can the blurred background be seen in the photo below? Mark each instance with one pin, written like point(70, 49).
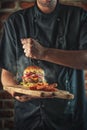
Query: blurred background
point(6, 101)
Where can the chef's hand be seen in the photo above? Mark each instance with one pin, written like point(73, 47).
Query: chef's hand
point(23, 98)
point(32, 48)
point(20, 97)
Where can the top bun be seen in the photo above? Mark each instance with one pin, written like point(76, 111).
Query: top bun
point(33, 69)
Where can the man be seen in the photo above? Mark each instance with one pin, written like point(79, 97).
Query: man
point(39, 36)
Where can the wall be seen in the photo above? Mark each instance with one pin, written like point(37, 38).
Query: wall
point(6, 101)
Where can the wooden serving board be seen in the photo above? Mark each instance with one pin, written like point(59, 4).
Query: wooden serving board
point(58, 94)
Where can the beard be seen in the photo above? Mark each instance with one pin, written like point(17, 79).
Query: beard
point(48, 3)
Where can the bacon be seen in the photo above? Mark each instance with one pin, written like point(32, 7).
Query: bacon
point(44, 87)
point(30, 75)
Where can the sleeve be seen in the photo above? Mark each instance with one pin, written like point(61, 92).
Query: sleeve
point(8, 47)
point(83, 31)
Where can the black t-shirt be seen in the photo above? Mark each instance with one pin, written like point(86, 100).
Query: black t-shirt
point(64, 28)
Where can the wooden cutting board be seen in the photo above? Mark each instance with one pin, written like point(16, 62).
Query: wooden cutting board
point(58, 94)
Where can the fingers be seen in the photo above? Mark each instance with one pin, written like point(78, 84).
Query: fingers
point(24, 98)
point(26, 40)
point(32, 48)
point(26, 44)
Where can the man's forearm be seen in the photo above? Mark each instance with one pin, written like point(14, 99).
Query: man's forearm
point(7, 78)
point(70, 58)
point(74, 59)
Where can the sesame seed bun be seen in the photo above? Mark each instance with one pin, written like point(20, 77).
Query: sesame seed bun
point(33, 69)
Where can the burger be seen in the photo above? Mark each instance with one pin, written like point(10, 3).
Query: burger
point(33, 74)
point(34, 79)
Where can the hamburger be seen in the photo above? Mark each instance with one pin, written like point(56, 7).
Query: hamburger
point(33, 74)
point(34, 79)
